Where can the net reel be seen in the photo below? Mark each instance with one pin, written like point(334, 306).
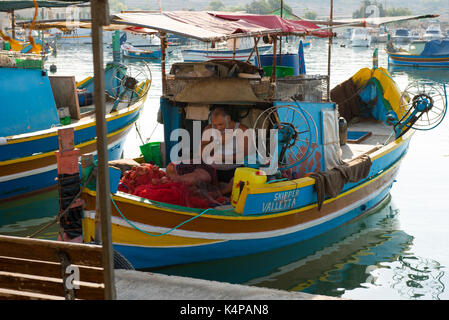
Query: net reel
point(296, 134)
point(423, 105)
point(129, 84)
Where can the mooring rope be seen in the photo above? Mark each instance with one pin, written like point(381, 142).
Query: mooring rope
point(161, 234)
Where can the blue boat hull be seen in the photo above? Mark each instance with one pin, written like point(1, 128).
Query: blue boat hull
point(29, 166)
point(418, 61)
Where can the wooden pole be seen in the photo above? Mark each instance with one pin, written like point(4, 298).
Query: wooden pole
point(280, 38)
point(256, 41)
point(13, 24)
point(100, 17)
point(257, 53)
point(273, 74)
point(233, 49)
point(163, 37)
point(329, 55)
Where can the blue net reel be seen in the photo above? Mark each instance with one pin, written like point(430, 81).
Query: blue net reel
point(423, 107)
point(125, 83)
point(295, 130)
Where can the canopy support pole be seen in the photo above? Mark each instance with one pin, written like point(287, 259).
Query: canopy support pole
point(329, 55)
point(163, 37)
point(273, 74)
point(13, 24)
point(256, 41)
point(233, 49)
point(257, 53)
point(100, 17)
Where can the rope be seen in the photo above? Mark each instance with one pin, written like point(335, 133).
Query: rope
point(60, 214)
point(157, 235)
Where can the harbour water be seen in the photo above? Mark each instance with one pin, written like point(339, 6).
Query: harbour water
point(397, 252)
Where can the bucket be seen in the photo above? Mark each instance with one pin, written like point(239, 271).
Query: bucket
point(280, 71)
point(285, 60)
point(152, 153)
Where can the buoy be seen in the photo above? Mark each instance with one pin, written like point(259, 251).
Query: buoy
point(53, 68)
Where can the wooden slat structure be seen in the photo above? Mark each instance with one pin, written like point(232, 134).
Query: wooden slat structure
point(51, 270)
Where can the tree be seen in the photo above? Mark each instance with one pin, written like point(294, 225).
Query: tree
point(117, 6)
point(216, 5)
point(266, 6)
point(310, 15)
point(394, 12)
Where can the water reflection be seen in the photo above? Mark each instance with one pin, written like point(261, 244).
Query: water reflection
point(25, 216)
point(433, 74)
point(418, 278)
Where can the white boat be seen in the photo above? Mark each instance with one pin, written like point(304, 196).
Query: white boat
point(401, 36)
point(143, 41)
point(433, 32)
point(415, 35)
point(78, 36)
point(224, 51)
point(360, 37)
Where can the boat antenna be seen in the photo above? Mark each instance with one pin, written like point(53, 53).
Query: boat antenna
point(329, 55)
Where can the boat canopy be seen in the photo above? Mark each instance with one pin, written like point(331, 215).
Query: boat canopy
point(217, 26)
point(436, 48)
point(10, 5)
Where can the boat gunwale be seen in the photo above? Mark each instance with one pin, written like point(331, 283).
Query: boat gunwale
point(87, 122)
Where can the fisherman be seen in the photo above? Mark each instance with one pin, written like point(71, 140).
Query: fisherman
point(222, 134)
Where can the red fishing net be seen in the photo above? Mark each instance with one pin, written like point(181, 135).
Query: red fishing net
point(150, 182)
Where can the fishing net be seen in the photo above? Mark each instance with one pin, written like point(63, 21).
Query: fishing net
point(150, 182)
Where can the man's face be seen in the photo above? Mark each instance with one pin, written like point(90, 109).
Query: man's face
point(219, 122)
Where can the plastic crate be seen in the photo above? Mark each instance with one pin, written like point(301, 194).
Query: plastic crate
point(281, 71)
point(152, 153)
point(29, 63)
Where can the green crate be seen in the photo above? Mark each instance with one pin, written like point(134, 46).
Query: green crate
point(152, 153)
point(29, 63)
point(65, 121)
point(281, 71)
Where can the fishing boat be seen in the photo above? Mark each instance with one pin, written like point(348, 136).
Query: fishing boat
point(432, 54)
point(300, 191)
point(148, 52)
point(222, 51)
point(35, 106)
point(77, 36)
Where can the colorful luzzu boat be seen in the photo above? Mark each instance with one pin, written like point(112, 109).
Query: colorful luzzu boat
point(266, 211)
point(36, 106)
point(431, 54)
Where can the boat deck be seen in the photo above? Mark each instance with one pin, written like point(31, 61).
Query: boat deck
point(379, 133)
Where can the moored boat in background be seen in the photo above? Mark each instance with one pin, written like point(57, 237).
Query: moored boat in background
point(434, 53)
point(36, 105)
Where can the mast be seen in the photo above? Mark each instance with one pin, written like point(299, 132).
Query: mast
point(13, 24)
point(329, 55)
point(100, 17)
point(280, 38)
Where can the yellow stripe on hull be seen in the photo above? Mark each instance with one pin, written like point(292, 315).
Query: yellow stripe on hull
point(132, 236)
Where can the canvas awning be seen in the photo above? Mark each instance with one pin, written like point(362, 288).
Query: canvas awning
point(10, 5)
point(200, 25)
point(216, 26)
point(64, 25)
